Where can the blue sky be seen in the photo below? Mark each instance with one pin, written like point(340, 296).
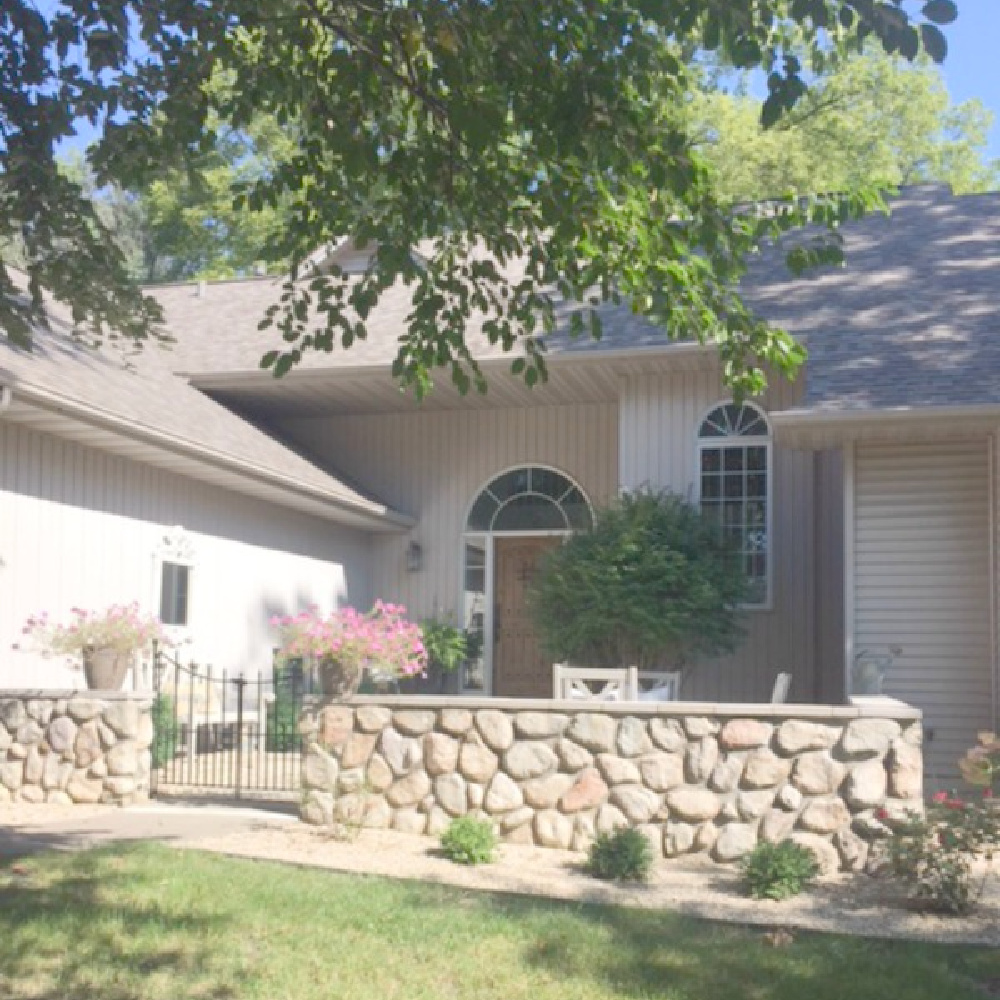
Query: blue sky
point(972, 68)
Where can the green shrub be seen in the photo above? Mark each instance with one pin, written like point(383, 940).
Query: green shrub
point(625, 856)
point(282, 723)
point(777, 871)
point(655, 583)
point(165, 730)
point(469, 841)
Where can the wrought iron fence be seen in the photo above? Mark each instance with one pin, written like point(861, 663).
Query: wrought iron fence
point(224, 732)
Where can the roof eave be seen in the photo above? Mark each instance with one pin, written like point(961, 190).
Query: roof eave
point(819, 428)
point(299, 494)
point(206, 379)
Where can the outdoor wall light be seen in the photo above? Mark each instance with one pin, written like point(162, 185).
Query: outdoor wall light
point(414, 557)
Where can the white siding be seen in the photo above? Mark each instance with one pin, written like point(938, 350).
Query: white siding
point(432, 465)
point(79, 527)
point(923, 583)
point(659, 422)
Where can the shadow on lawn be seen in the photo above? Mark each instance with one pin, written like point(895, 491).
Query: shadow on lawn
point(657, 954)
point(75, 930)
point(648, 953)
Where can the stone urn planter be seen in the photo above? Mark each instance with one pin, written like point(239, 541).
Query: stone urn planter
point(338, 680)
point(105, 668)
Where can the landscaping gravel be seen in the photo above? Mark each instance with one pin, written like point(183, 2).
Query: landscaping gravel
point(843, 904)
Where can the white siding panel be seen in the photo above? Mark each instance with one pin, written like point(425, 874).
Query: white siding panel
point(922, 563)
point(432, 464)
point(660, 414)
point(79, 527)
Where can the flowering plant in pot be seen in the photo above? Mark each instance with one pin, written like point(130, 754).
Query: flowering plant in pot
point(105, 642)
point(346, 644)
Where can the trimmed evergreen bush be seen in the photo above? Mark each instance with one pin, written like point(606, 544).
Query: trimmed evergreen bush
point(622, 856)
point(469, 841)
point(778, 871)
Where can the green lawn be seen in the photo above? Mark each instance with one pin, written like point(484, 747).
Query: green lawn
point(147, 921)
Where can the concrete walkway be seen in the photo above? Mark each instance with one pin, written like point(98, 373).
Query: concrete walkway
point(26, 829)
point(843, 904)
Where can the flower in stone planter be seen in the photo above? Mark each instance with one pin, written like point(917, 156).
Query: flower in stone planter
point(121, 627)
point(382, 641)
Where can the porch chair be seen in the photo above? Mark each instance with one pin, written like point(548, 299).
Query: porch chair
point(594, 683)
point(782, 684)
point(659, 685)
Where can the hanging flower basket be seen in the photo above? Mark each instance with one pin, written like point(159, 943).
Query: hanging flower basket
point(105, 668)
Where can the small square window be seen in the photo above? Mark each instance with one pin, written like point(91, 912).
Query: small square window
point(175, 588)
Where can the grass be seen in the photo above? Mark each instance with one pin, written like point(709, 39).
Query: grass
point(150, 922)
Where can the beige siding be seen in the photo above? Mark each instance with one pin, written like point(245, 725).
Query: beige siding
point(658, 434)
point(432, 465)
point(831, 687)
point(923, 583)
point(79, 527)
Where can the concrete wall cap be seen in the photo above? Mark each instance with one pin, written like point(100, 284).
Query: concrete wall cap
point(885, 708)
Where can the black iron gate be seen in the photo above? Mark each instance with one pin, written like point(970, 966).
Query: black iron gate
point(216, 732)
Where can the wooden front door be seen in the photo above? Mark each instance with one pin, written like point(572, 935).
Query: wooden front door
point(520, 670)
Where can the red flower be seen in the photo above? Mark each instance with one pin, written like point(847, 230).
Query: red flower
point(881, 814)
point(955, 804)
point(939, 797)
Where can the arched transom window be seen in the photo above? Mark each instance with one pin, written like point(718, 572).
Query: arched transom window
point(532, 498)
point(734, 444)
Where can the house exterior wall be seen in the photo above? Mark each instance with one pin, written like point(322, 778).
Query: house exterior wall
point(658, 428)
point(922, 582)
point(80, 527)
point(828, 655)
point(432, 465)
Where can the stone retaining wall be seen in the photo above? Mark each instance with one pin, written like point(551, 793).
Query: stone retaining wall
point(712, 779)
point(73, 746)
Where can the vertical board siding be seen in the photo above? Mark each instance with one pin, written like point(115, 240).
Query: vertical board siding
point(658, 427)
point(80, 527)
point(432, 464)
point(828, 649)
point(923, 583)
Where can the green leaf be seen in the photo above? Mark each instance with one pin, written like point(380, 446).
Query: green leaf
point(934, 42)
point(268, 360)
point(940, 11)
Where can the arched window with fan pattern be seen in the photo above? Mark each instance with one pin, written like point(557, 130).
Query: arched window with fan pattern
point(734, 451)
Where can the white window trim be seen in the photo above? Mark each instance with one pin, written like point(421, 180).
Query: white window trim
point(746, 440)
point(175, 546)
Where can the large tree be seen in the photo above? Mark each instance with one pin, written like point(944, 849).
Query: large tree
point(544, 134)
point(875, 117)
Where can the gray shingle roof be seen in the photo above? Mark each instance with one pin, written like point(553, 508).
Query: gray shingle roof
point(911, 320)
point(142, 390)
point(216, 329)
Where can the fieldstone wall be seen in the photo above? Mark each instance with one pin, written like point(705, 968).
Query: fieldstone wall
point(71, 746)
point(711, 779)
